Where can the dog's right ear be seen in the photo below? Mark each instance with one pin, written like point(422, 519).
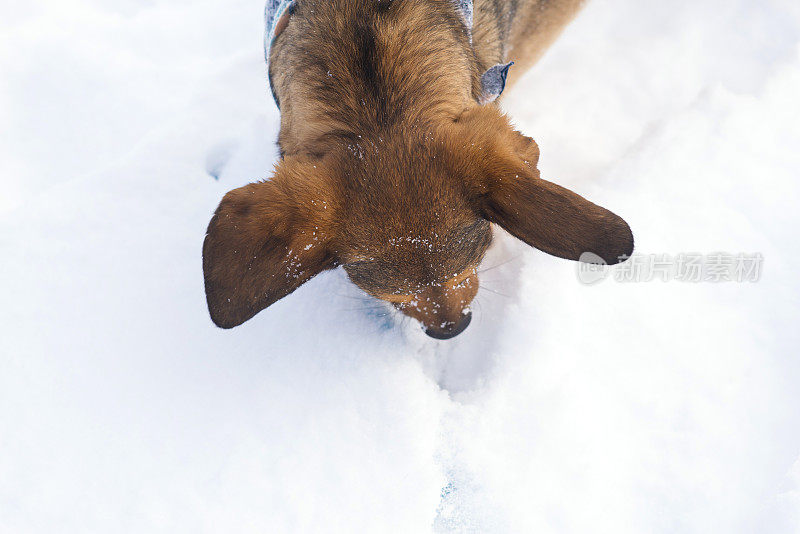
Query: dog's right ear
point(507, 190)
point(266, 239)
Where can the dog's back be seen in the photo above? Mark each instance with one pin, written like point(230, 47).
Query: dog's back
point(347, 65)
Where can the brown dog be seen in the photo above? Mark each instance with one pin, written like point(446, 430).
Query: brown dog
point(395, 160)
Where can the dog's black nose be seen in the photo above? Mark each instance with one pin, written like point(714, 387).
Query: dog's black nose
point(450, 330)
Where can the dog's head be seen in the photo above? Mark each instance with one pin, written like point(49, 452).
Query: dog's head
point(407, 215)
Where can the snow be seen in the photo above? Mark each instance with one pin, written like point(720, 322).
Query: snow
point(616, 407)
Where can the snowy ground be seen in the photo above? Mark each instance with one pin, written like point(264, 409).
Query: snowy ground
point(638, 407)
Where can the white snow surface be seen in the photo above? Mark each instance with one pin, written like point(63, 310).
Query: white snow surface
point(639, 407)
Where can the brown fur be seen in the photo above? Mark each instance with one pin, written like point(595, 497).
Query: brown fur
point(391, 168)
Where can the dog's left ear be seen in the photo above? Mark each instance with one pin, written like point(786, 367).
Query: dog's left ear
point(507, 190)
point(265, 240)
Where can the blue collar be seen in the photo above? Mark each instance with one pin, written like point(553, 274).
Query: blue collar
point(272, 14)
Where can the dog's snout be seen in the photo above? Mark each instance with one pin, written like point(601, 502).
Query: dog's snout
point(450, 330)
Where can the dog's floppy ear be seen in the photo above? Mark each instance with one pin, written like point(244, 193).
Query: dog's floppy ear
point(265, 240)
point(508, 191)
point(556, 220)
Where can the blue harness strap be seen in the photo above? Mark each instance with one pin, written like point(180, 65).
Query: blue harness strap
point(272, 14)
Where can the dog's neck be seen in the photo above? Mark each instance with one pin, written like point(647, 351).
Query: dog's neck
point(343, 69)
